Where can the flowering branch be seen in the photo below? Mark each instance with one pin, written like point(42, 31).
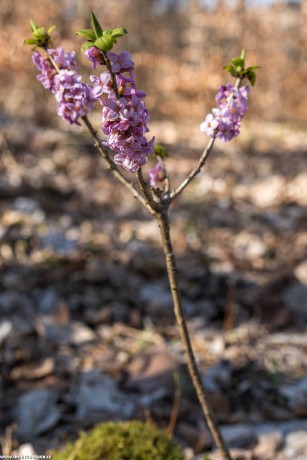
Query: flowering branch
point(212, 129)
point(125, 122)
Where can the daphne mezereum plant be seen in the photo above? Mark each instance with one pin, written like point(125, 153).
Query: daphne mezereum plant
point(125, 124)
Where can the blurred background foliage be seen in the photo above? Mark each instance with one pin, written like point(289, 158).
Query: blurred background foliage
point(179, 47)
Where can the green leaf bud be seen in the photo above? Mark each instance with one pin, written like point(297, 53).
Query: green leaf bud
point(30, 41)
point(51, 29)
point(96, 26)
point(104, 43)
point(251, 77)
point(33, 26)
point(119, 32)
point(238, 63)
point(160, 151)
point(89, 34)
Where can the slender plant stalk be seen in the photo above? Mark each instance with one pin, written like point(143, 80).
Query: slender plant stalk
point(159, 210)
point(170, 261)
point(196, 170)
point(157, 203)
point(146, 192)
point(176, 406)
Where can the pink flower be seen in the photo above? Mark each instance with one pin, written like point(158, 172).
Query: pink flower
point(125, 119)
point(120, 62)
point(209, 125)
point(95, 56)
point(73, 97)
point(157, 174)
point(224, 122)
point(101, 84)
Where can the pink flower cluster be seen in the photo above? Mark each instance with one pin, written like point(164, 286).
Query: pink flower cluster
point(73, 97)
point(224, 122)
point(124, 115)
point(157, 174)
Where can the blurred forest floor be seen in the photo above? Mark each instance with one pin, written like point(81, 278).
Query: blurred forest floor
point(87, 331)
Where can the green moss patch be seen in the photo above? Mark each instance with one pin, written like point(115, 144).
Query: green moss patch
point(121, 441)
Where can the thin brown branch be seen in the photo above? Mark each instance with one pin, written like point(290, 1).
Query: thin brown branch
point(175, 409)
point(52, 60)
point(113, 167)
point(167, 190)
point(163, 221)
point(195, 171)
point(146, 192)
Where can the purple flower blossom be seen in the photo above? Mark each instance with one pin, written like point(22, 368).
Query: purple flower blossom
point(95, 56)
point(224, 122)
point(157, 174)
point(209, 125)
point(73, 97)
point(125, 118)
point(224, 92)
point(47, 70)
point(120, 62)
point(63, 59)
point(101, 84)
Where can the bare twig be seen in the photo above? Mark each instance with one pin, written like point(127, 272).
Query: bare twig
point(146, 192)
point(176, 406)
point(195, 171)
point(52, 61)
point(6, 441)
point(163, 221)
point(167, 189)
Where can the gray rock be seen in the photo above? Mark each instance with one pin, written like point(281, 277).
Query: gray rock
point(284, 427)
point(5, 329)
point(48, 301)
point(37, 412)
point(26, 205)
point(295, 298)
point(10, 300)
point(218, 374)
point(241, 436)
point(73, 333)
point(156, 297)
point(57, 241)
point(97, 398)
point(296, 396)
